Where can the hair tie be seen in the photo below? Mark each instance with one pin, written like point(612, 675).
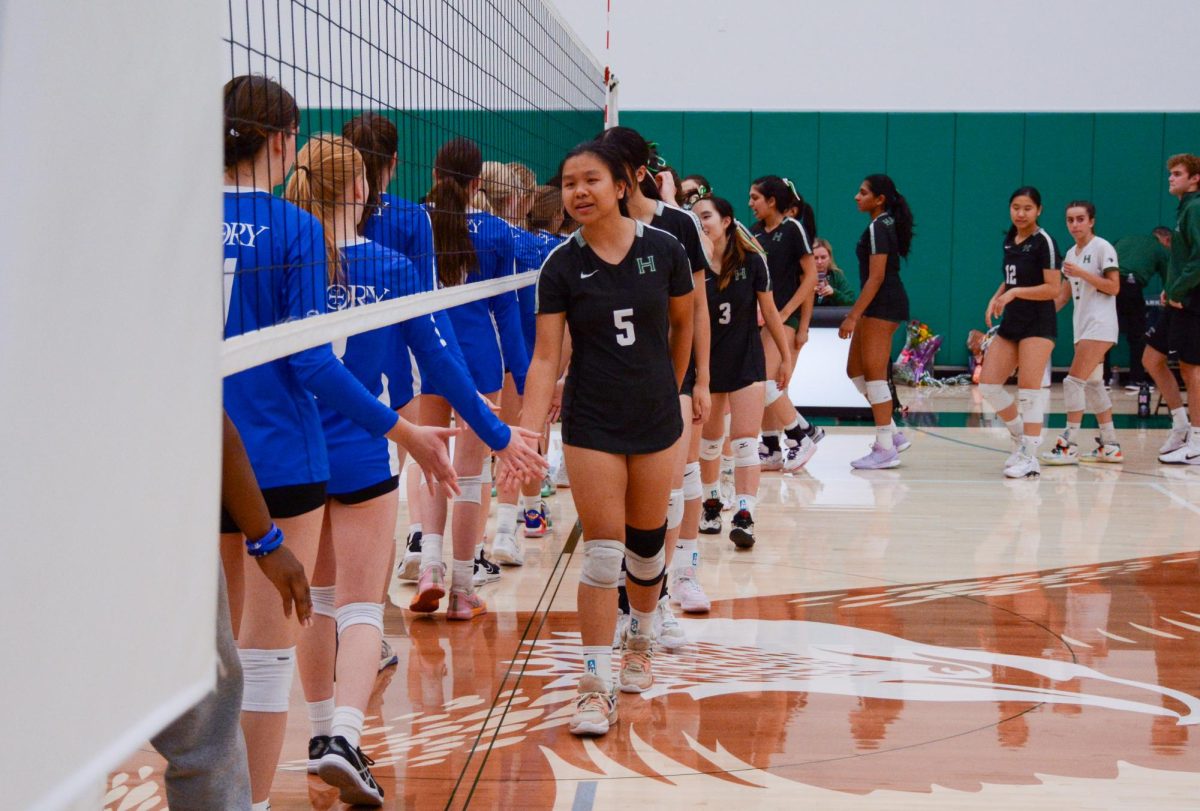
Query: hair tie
point(234, 133)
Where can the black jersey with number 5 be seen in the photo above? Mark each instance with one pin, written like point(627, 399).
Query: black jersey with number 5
point(620, 395)
point(737, 352)
point(785, 245)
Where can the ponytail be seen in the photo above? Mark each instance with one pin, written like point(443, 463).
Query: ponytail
point(255, 108)
point(739, 242)
point(458, 162)
point(897, 206)
point(773, 187)
point(325, 167)
point(377, 141)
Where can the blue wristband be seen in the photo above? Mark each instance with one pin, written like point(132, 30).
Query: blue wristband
point(266, 544)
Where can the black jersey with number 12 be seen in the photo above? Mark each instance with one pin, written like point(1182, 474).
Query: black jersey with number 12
point(621, 395)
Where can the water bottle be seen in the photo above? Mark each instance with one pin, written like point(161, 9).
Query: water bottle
point(1144, 400)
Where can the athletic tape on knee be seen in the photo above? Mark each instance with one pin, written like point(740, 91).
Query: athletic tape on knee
point(470, 489)
point(772, 392)
point(360, 614)
point(860, 383)
point(602, 564)
point(1097, 396)
point(267, 678)
point(322, 600)
point(675, 509)
point(995, 396)
point(745, 451)
point(878, 392)
point(1074, 395)
point(692, 487)
point(710, 449)
point(485, 476)
point(1030, 401)
point(645, 555)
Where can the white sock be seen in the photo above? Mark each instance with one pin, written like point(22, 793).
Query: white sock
point(431, 550)
point(597, 660)
point(320, 715)
point(528, 503)
point(1031, 443)
point(506, 518)
point(1108, 433)
point(803, 422)
point(687, 554)
point(795, 423)
point(414, 528)
point(462, 576)
point(726, 466)
point(884, 434)
point(712, 490)
point(1179, 417)
point(1194, 437)
point(265, 805)
point(348, 722)
point(746, 502)
point(1071, 429)
point(1015, 426)
point(641, 622)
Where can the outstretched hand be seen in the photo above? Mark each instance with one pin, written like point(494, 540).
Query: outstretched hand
point(287, 576)
point(520, 462)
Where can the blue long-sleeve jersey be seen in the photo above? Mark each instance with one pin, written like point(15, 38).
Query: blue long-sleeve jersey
point(374, 273)
point(275, 271)
point(532, 248)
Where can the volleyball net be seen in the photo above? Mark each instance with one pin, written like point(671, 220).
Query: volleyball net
point(509, 75)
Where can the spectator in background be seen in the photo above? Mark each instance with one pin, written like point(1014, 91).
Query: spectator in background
point(833, 288)
point(1142, 256)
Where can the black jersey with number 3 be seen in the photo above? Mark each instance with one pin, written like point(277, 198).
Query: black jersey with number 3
point(620, 395)
point(737, 352)
point(786, 245)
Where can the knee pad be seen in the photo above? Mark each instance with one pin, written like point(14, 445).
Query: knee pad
point(1097, 374)
point(878, 392)
point(745, 451)
point(360, 614)
point(1097, 396)
point(267, 678)
point(602, 564)
point(692, 488)
point(710, 449)
point(645, 555)
point(675, 509)
point(1030, 401)
point(995, 396)
point(1074, 396)
point(470, 489)
point(860, 383)
point(772, 392)
point(322, 599)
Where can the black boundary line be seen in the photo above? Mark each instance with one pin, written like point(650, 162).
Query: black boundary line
point(567, 551)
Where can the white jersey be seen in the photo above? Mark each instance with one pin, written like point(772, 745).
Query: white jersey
point(1095, 316)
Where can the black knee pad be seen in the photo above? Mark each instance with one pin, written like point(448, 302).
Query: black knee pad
point(645, 555)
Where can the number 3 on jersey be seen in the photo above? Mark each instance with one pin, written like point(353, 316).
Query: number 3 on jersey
point(625, 336)
point(1010, 274)
point(726, 313)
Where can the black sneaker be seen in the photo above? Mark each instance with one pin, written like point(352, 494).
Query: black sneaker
point(485, 571)
point(710, 520)
point(345, 767)
point(814, 432)
point(742, 533)
point(316, 750)
point(410, 567)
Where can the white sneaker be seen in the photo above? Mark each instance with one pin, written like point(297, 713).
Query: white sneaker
point(637, 664)
point(409, 569)
point(1175, 440)
point(595, 708)
point(506, 549)
point(710, 517)
point(1016, 451)
point(728, 495)
point(1026, 467)
point(797, 456)
point(667, 629)
point(1105, 452)
point(1063, 453)
point(621, 630)
point(687, 591)
point(485, 571)
point(1187, 455)
point(771, 461)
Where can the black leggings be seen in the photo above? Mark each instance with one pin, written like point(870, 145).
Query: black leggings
point(1131, 317)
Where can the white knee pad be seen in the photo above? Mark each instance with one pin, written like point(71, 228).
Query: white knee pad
point(860, 383)
point(360, 614)
point(1074, 396)
point(470, 489)
point(995, 396)
point(602, 564)
point(645, 571)
point(745, 451)
point(322, 599)
point(878, 392)
point(675, 509)
point(1097, 374)
point(1030, 402)
point(692, 488)
point(267, 678)
point(710, 449)
point(1097, 396)
point(772, 392)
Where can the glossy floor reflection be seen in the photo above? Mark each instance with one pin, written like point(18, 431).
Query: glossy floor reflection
point(932, 635)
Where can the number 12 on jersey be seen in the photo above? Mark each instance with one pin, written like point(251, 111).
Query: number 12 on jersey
point(1010, 275)
point(621, 320)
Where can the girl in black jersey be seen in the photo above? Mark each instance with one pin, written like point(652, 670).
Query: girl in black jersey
point(738, 288)
point(880, 308)
point(1025, 302)
point(624, 290)
point(793, 282)
point(683, 515)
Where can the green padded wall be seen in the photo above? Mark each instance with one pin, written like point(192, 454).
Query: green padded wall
point(957, 171)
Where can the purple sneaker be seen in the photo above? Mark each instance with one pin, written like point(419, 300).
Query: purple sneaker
point(900, 442)
point(879, 458)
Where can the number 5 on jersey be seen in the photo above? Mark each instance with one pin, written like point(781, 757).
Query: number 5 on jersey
point(625, 336)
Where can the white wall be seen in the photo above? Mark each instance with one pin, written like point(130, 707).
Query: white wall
point(110, 335)
point(901, 55)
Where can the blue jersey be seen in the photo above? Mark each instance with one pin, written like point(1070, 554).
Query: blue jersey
point(531, 251)
point(275, 271)
point(374, 273)
point(495, 251)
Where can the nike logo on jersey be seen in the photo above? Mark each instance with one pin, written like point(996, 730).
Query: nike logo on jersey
point(588, 275)
point(243, 234)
